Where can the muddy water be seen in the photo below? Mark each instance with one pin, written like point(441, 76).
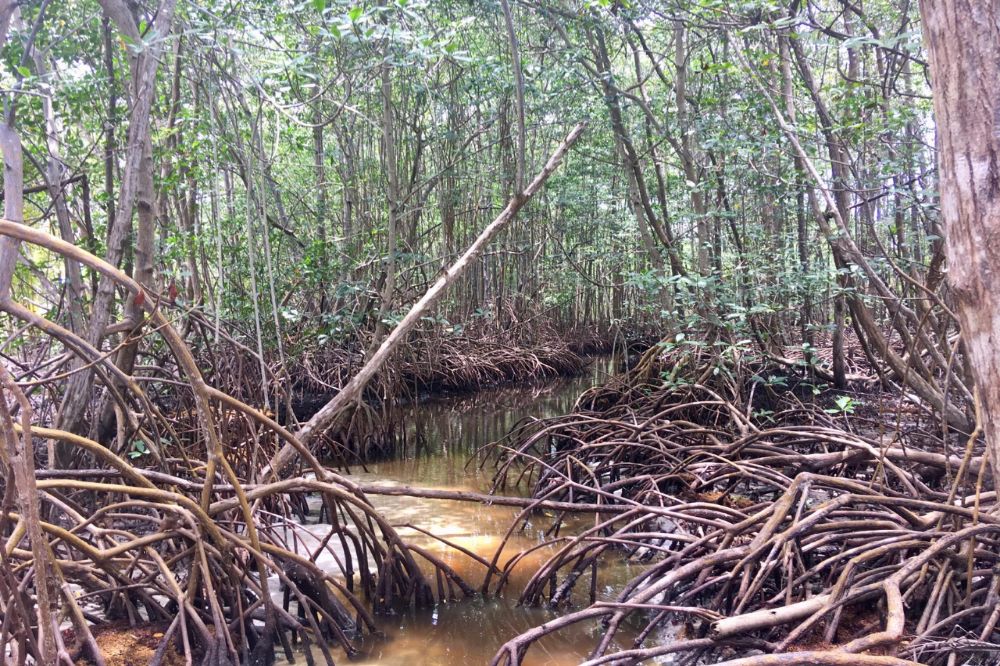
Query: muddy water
point(442, 436)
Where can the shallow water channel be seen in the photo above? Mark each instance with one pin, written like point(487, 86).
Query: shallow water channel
point(442, 435)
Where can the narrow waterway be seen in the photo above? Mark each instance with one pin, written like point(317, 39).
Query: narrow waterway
point(442, 435)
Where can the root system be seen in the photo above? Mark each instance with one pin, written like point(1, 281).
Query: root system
point(765, 525)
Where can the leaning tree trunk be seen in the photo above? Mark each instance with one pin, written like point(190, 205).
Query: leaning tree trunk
point(963, 41)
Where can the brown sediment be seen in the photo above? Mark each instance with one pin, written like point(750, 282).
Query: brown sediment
point(122, 645)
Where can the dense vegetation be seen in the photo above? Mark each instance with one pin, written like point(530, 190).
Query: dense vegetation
point(234, 231)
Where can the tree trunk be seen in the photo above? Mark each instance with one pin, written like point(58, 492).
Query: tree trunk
point(55, 174)
point(963, 42)
point(78, 393)
point(393, 201)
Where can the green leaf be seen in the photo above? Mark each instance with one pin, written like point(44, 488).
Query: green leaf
point(355, 14)
point(138, 449)
point(319, 5)
point(23, 71)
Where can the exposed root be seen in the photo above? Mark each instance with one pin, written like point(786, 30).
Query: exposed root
point(763, 523)
point(175, 526)
point(431, 363)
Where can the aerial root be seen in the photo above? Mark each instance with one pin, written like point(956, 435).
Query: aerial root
point(766, 531)
point(173, 522)
point(140, 547)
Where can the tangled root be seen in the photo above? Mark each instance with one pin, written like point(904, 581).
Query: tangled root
point(781, 535)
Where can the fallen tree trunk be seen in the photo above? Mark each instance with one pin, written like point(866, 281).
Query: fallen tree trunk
point(767, 618)
point(350, 393)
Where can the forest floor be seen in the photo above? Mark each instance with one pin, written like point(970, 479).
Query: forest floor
point(125, 645)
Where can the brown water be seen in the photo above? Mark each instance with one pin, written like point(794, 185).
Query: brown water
point(442, 435)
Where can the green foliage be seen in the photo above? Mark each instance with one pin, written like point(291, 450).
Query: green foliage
point(843, 404)
point(278, 245)
point(138, 449)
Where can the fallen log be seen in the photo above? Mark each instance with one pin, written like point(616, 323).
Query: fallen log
point(366, 488)
point(766, 618)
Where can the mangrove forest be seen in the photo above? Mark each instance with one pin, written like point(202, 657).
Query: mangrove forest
point(500, 332)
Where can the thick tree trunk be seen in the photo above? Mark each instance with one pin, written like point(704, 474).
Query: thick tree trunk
point(963, 41)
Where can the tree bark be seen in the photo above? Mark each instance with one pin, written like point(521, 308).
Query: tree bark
point(78, 391)
point(54, 176)
point(18, 457)
point(515, 61)
point(963, 42)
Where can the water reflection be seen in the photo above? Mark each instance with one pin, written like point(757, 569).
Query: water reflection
point(437, 438)
point(469, 633)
